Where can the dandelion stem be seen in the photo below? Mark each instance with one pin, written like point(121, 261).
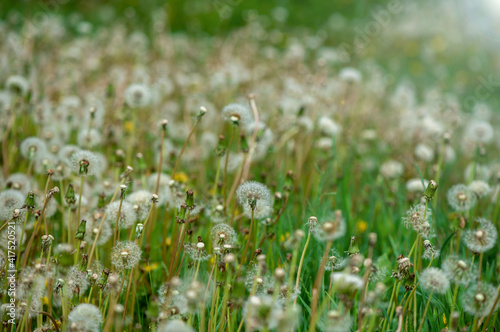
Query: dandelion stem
point(425, 312)
point(301, 262)
point(243, 257)
point(184, 146)
point(224, 176)
point(319, 279)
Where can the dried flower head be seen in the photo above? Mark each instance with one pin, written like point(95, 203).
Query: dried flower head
point(418, 218)
point(254, 197)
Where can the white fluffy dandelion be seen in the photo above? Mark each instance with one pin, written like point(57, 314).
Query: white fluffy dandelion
point(256, 197)
point(85, 318)
point(125, 255)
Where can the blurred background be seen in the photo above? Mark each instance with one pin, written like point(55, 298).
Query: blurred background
point(452, 44)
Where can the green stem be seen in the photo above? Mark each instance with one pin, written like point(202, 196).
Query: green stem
point(425, 313)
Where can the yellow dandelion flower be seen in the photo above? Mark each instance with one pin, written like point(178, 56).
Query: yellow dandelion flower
point(181, 177)
point(361, 226)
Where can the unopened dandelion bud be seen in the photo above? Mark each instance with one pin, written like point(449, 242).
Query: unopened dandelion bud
point(83, 262)
point(29, 203)
point(138, 230)
point(80, 233)
point(220, 150)
point(202, 112)
point(190, 199)
point(141, 163)
point(288, 186)
point(70, 195)
point(431, 190)
point(181, 216)
point(244, 143)
point(353, 247)
point(101, 203)
point(103, 280)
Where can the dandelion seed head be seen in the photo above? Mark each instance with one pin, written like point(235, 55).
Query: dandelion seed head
point(479, 132)
point(125, 255)
point(85, 163)
point(141, 202)
point(127, 214)
point(391, 169)
point(434, 280)
point(482, 238)
point(480, 188)
point(175, 325)
point(10, 200)
point(137, 96)
point(19, 182)
point(237, 114)
point(254, 196)
point(32, 148)
point(17, 85)
point(85, 317)
point(458, 270)
point(223, 234)
point(461, 198)
point(479, 302)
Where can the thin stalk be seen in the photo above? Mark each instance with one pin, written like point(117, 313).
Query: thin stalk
point(184, 146)
point(224, 176)
point(91, 255)
point(425, 312)
point(301, 263)
point(117, 230)
point(243, 258)
point(319, 278)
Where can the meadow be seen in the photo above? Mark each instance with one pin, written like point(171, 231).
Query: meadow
point(248, 167)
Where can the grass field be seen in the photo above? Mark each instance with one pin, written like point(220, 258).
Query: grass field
point(249, 166)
